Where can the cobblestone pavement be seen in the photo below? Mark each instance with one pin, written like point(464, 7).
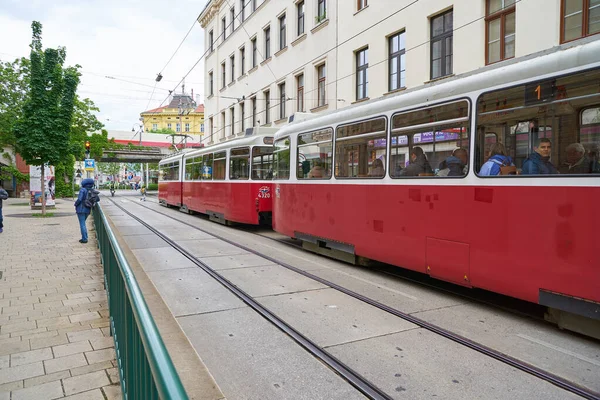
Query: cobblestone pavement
point(54, 335)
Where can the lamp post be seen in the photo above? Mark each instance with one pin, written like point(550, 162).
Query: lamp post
point(140, 130)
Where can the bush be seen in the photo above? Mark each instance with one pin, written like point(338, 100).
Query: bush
point(153, 186)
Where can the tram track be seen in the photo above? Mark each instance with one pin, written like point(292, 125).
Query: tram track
point(347, 373)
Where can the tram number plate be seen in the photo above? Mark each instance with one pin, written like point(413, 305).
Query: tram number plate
point(540, 92)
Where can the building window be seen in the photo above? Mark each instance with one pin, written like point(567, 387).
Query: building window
point(362, 64)
point(232, 62)
point(254, 52)
point(222, 125)
point(397, 71)
point(300, 9)
point(500, 30)
point(210, 127)
point(232, 17)
point(242, 8)
point(232, 113)
point(300, 96)
point(282, 41)
point(202, 127)
point(267, 107)
point(253, 5)
point(281, 100)
point(441, 45)
point(154, 127)
point(243, 61)
point(223, 28)
point(169, 126)
point(178, 127)
point(187, 126)
point(223, 79)
point(210, 84)
point(267, 43)
point(211, 41)
point(579, 18)
point(242, 117)
point(360, 4)
point(253, 111)
point(321, 11)
point(321, 73)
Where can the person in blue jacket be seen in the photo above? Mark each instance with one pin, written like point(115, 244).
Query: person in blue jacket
point(538, 162)
point(497, 160)
point(82, 211)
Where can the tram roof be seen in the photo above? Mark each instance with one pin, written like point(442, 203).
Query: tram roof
point(569, 56)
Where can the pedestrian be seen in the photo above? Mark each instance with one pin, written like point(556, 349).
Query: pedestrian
point(3, 196)
point(81, 209)
point(143, 192)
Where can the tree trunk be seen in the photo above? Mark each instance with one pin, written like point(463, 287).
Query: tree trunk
point(43, 192)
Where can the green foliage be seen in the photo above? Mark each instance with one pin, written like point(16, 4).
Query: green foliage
point(14, 83)
point(111, 169)
point(161, 130)
point(7, 173)
point(153, 186)
point(42, 134)
point(64, 177)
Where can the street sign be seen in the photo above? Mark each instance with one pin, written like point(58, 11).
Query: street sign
point(89, 164)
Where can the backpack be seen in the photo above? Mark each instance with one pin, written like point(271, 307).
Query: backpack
point(91, 198)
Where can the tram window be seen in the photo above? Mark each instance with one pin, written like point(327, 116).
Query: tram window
point(239, 163)
point(549, 127)
point(188, 168)
point(196, 170)
point(431, 141)
point(207, 167)
point(169, 171)
point(282, 159)
point(219, 165)
point(262, 162)
point(360, 149)
point(315, 154)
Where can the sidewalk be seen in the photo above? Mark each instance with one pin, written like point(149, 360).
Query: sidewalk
point(54, 335)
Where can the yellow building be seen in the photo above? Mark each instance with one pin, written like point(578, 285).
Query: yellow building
point(182, 115)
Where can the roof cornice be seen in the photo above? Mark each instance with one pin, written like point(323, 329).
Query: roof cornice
point(209, 12)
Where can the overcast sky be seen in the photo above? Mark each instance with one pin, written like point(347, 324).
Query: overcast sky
point(130, 40)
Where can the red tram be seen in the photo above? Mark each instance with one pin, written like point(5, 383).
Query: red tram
point(230, 182)
point(406, 180)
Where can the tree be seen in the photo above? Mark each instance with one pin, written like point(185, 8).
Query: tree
point(14, 85)
point(161, 130)
point(42, 134)
point(111, 169)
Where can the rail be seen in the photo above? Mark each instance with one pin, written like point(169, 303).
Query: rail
point(145, 368)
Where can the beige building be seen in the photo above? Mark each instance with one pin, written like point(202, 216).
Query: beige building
point(182, 116)
point(268, 59)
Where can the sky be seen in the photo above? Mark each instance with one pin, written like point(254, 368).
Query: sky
point(129, 40)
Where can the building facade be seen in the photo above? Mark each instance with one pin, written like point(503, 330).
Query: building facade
point(268, 59)
point(181, 116)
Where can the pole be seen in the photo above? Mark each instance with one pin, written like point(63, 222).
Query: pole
point(147, 176)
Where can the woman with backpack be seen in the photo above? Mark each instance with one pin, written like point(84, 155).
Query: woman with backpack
point(84, 204)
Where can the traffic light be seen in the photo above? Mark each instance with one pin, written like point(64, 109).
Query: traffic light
point(87, 146)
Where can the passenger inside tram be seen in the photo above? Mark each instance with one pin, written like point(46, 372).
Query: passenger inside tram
point(419, 165)
point(454, 165)
point(377, 169)
point(576, 161)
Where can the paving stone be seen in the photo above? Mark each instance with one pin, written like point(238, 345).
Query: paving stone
point(9, 387)
point(55, 376)
point(29, 332)
point(21, 326)
point(41, 335)
point(84, 317)
point(86, 369)
point(113, 374)
point(51, 341)
point(4, 395)
point(31, 356)
point(100, 355)
point(89, 334)
point(102, 343)
point(74, 302)
point(21, 372)
point(112, 392)
point(85, 382)
point(14, 347)
point(4, 361)
point(95, 394)
point(53, 322)
point(46, 391)
point(71, 348)
point(64, 363)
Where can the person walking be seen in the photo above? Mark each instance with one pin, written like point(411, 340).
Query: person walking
point(143, 192)
point(3, 196)
point(81, 209)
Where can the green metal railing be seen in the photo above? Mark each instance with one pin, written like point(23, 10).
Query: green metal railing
point(145, 368)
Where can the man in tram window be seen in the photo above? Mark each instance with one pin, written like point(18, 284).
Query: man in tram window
point(576, 162)
point(419, 165)
point(538, 162)
point(593, 151)
point(454, 165)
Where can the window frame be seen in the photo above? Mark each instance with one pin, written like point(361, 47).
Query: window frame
point(585, 23)
point(397, 58)
point(242, 115)
point(248, 157)
point(242, 7)
point(300, 19)
point(282, 101)
point(254, 52)
point(413, 127)
point(186, 127)
point(441, 38)
point(360, 136)
point(321, 100)
point(232, 67)
point(360, 4)
point(253, 111)
point(223, 75)
point(211, 40)
point(275, 163)
point(321, 16)
point(500, 14)
point(211, 89)
point(267, 33)
point(232, 17)
point(361, 69)
point(282, 32)
point(242, 60)
point(300, 93)
point(223, 28)
point(232, 120)
point(298, 146)
point(252, 156)
point(267, 94)
point(221, 158)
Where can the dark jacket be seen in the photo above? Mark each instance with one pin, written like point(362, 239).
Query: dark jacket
point(451, 166)
point(420, 166)
point(3, 195)
point(583, 166)
point(80, 208)
point(535, 164)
